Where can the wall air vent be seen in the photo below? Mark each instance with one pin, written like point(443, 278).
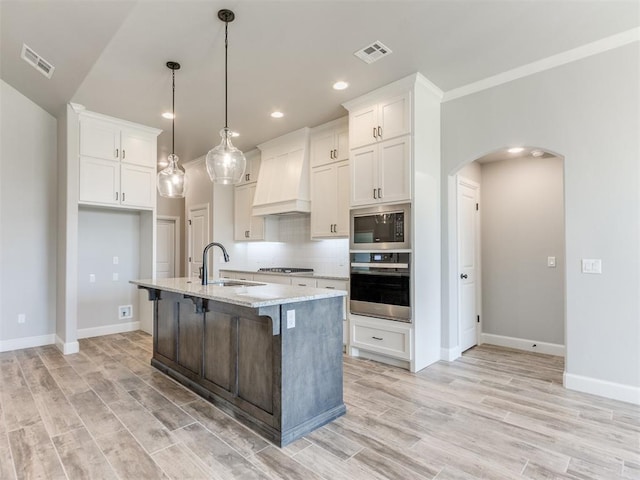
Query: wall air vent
point(373, 52)
point(37, 62)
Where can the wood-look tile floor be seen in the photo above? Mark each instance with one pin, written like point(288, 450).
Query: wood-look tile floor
point(495, 413)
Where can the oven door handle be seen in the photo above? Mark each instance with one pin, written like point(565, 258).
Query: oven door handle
point(380, 265)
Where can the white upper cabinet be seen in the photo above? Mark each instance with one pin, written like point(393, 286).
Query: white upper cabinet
point(117, 162)
point(380, 121)
point(247, 227)
point(330, 142)
point(253, 167)
point(330, 200)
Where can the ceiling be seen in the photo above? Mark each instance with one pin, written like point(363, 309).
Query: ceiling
point(110, 55)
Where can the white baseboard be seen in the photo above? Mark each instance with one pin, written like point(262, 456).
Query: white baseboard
point(523, 344)
point(450, 354)
point(602, 388)
point(108, 329)
point(67, 348)
point(27, 342)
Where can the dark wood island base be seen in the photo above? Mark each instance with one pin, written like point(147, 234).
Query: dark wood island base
point(277, 372)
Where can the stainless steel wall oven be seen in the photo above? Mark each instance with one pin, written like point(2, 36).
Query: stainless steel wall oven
point(381, 285)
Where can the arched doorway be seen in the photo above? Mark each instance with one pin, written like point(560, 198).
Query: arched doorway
point(507, 251)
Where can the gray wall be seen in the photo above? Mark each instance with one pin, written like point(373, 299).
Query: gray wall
point(522, 211)
point(28, 203)
point(103, 234)
point(586, 111)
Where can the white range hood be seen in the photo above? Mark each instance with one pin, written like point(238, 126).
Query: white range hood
point(283, 181)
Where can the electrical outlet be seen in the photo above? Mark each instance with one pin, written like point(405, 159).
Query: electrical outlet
point(125, 311)
point(115, 277)
point(291, 318)
point(22, 318)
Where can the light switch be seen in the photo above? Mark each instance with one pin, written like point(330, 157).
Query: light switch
point(116, 260)
point(92, 278)
point(551, 262)
point(592, 265)
point(115, 277)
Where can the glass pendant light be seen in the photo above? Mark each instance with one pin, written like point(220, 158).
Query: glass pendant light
point(172, 180)
point(225, 163)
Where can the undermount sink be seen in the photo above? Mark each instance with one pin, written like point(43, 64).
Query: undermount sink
point(234, 283)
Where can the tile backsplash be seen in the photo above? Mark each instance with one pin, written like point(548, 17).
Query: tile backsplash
point(295, 249)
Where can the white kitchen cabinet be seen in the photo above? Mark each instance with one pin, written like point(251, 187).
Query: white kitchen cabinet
point(381, 173)
point(380, 121)
point(245, 276)
point(266, 278)
point(245, 225)
point(386, 337)
point(330, 142)
point(253, 167)
point(330, 200)
point(117, 163)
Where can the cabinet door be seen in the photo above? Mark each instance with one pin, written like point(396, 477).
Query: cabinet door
point(361, 125)
point(342, 206)
point(322, 146)
point(394, 117)
point(138, 186)
point(257, 224)
point(243, 199)
point(324, 201)
point(190, 331)
point(253, 167)
point(342, 144)
point(99, 181)
point(138, 148)
point(99, 139)
point(394, 169)
point(219, 350)
point(364, 175)
point(255, 362)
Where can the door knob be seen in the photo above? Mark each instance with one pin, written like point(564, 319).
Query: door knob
point(463, 276)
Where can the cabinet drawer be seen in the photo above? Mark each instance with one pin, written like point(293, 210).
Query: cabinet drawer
point(304, 282)
point(391, 340)
point(282, 279)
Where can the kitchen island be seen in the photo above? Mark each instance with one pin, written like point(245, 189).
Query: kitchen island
point(270, 355)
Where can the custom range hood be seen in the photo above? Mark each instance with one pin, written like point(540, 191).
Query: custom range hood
point(283, 182)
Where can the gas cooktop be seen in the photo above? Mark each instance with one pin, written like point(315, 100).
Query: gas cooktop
point(286, 270)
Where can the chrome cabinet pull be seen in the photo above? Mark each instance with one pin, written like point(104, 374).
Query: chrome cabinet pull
point(123, 196)
point(117, 153)
point(124, 153)
point(379, 193)
point(374, 132)
point(380, 131)
point(376, 338)
point(116, 196)
point(374, 194)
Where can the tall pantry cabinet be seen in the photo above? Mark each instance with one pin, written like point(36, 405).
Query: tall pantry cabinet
point(394, 140)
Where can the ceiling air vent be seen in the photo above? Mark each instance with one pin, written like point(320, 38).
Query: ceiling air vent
point(373, 52)
point(36, 61)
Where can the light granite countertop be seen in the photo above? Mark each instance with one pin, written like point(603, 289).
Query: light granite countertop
point(250, 294)
point(297, 275)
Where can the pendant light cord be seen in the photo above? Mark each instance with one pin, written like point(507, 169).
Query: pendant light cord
point(173, 111)
point(226, 96)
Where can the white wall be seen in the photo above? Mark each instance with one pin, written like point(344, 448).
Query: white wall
point(586, 111)
point(28, 203)
point(522, 224)
point(102, 235)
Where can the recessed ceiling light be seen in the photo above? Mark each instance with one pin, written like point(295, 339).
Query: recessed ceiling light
point(537, 153)
point(515, 150)
point(167, 115)
point(340, 85)
point(277, 114)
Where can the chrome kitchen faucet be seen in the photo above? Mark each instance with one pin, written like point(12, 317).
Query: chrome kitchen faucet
point(205, 273)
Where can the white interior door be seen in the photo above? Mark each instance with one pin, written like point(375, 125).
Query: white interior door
point(197, 237)
point(468, 262)
point(166, 248)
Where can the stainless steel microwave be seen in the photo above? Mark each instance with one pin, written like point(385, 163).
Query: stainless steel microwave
point(384, 227)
